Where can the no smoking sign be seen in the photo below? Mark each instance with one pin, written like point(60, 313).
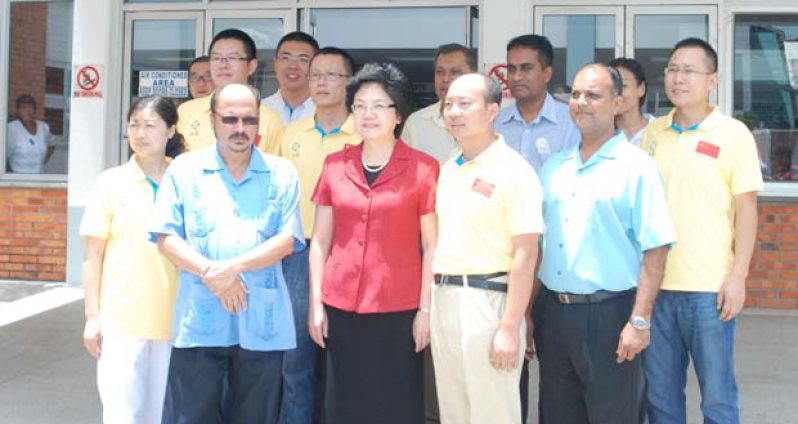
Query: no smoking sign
point(88, 81)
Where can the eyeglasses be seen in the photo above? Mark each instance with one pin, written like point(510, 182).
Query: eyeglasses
point(228, 59)
point(200, 78)
point(246, 120)
point(673, 71)
point(288, 57)
point(361, 108)
point(326, 76)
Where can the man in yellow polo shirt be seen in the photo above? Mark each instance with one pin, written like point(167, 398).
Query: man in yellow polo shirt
point(489, 217)
point(232, 56)
point(306, 143)
point(712, 176)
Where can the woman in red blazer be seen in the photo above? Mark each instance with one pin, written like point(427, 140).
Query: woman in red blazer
point(370, 259)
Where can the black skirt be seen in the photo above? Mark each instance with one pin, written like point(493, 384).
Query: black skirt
point(373, 373)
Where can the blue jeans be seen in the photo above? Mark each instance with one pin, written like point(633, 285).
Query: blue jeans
point(688, 323)
point(299, 365)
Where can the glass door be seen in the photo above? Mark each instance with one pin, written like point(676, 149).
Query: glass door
point(161, 42)
point(579, 35)
point(266, 27)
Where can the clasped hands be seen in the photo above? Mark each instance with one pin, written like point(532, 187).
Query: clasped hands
point(223, 279)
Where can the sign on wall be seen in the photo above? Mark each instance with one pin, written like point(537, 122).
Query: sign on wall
point(163, 83)
point(88, 82)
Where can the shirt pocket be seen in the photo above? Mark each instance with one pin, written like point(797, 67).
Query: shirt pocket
point(264, 315)
point(204, 314)
point(268, 225)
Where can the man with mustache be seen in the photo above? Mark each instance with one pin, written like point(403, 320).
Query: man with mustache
point(226, 216)
point(608, 232)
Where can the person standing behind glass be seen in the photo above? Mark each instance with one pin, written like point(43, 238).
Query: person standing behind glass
point(29, 139)
point(200, 83)
point(129, 287)
point(370, 259)
point(631, 119)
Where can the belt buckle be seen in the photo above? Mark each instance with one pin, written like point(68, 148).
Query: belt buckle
point(563, 298)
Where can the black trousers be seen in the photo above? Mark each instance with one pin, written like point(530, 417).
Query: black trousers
point(580, 379)
point(373, 373)
point(196, 392)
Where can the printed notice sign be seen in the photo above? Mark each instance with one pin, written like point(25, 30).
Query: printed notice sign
point(163, 83)
point(88, 81)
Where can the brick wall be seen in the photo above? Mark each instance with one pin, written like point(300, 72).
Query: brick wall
point(33, 234)
point(773, 278)
point(28, 54)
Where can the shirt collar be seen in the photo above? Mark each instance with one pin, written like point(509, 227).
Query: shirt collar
point(487, 155)
point(547, 112)
point(278, 97)
point(609, 150)
point(135, 170)
point(348, 127)
point(708, 124)
point(213, 161)
point(433, 113)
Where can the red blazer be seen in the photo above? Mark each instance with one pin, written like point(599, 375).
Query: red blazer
point(374, 263)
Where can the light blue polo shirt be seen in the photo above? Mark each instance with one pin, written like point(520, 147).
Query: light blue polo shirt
point(550, 132)
point(199, 201)
point(600, 216)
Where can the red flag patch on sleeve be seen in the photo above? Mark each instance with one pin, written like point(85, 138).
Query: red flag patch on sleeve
point(707, 148)
point(483, 188)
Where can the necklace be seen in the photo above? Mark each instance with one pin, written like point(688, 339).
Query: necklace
point(373, 168)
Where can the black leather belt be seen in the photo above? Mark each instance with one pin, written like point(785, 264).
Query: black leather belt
point(595, 297)
point(494, 282)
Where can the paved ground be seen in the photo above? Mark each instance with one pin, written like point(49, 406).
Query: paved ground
point(46, 377)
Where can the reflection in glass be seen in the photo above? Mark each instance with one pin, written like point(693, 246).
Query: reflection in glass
point(577, 40)
point(406, 36)
point(40, 61)
point(766, 89)
point(655, 36)
point(265, 32)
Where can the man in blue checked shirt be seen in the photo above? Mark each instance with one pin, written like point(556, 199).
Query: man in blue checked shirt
point(607, 235)
point(227, 216)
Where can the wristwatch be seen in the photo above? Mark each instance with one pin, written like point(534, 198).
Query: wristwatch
point(640, 323)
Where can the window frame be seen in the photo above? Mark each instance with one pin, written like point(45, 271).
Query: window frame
point(9, 179)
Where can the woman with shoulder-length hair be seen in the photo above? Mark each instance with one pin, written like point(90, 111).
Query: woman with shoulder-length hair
point(129, 287)
point(370, 259)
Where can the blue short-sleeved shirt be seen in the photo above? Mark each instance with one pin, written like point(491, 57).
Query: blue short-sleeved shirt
point(600, 216)
point(550, 132)
point(199, 201)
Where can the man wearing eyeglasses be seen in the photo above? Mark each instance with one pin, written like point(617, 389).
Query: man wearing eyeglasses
point(292, 101)
point(306, 143)
point(226, 216)
point(232, 58)
point(712, 176)
point(425, 129)
point(200, 83)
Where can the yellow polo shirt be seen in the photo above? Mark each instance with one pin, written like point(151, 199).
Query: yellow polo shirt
point(303, 145)
point(481, 204)
point(704, 168)
point(137, 285)
point(194, 123)
point(426, 131)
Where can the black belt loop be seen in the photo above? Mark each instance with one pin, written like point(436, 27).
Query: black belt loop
point(481, 281)
point(595, 297)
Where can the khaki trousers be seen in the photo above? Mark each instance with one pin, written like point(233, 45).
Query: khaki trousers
point(464, 322)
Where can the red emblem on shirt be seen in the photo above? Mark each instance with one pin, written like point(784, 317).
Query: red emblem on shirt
point(257, 140)
point(483, 188)
point(708, 149)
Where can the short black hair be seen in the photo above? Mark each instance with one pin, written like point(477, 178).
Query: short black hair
point(349, 63)
point(536, 42)
point(392, 80)
point(200, 59)
point(26, 99)
point(236, 34)
point(219, 90)
point(470, 55)
point(617, 80)
point(167, 111)
point(636, 69)
point(298, 36)
point(692, 42)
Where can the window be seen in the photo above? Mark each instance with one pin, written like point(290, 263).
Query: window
point(766, 89)
point(35, 140)
point(407, 37)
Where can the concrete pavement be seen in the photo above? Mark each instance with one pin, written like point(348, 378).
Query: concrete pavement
point(46, 377)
